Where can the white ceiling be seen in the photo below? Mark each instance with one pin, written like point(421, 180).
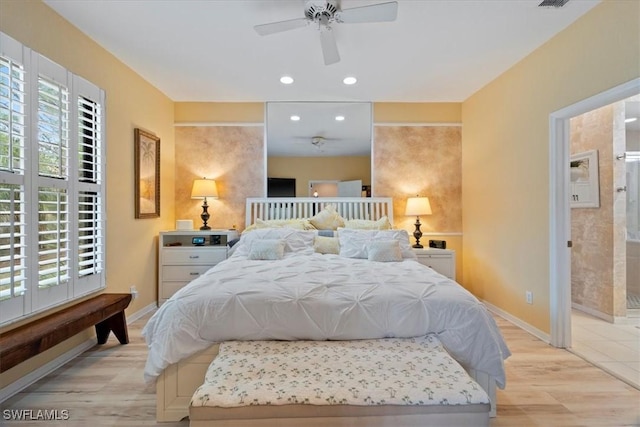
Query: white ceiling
point(207, 50)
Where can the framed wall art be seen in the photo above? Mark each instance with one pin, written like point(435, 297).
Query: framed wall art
point(585, 182)
point(147, 174)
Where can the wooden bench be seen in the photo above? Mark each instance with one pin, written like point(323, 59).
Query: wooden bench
point(105, 312)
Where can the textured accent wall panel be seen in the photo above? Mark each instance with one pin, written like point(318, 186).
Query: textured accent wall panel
point(424, 160)
point(233, 156)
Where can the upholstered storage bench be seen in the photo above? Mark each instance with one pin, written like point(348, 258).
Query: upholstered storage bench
point(387, 382)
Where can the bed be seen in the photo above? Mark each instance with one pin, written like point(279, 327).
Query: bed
point(301, 294)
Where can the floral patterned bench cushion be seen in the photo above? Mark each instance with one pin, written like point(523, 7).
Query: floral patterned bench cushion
point(413, 371)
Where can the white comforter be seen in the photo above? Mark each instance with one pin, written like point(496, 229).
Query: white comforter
point(320, 297)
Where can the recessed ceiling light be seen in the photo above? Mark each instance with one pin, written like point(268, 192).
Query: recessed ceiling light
point(630, 119)
point(294, 118)
point(286, 80)
point(349, 80)
point(339, 118)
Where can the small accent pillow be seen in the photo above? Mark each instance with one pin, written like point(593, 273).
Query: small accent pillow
point(354, 243)
point(384, 251)
point(327, 219)
point(266, 249)
point(326, 245)
point(366, 224)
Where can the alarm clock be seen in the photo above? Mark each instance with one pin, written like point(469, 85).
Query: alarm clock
point(198, 240)
point(438, 244)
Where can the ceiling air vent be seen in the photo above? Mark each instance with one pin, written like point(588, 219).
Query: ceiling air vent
point(553, 3)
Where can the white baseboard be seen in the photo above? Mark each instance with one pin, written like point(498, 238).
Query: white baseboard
point(593, 312)
point(141, 313)
point(519, 323)
point(44, 370)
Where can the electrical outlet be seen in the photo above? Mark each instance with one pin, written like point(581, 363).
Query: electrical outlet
point(134, 292)
point(529, 296)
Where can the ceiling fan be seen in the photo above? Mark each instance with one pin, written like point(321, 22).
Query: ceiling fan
point(324, 13)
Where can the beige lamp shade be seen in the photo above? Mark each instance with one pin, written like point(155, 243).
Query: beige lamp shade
point(417, 206)
point(204, 188)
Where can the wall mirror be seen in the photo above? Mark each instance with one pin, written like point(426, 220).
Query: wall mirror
point(318, 143)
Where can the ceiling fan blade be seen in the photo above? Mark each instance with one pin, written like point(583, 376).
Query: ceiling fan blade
point(277, 27)
point(382, 12)
point(329, 47)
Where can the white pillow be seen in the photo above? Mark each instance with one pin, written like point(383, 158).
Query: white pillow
point(266, 249)
point(366, 224)
point(295, 240)
point(354, 243)
point(384, 251)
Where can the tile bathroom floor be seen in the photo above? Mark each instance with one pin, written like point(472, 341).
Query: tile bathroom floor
point(614, 348)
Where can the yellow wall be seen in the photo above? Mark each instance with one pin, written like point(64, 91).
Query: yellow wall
point(219, 112)
point(417, 112)
point(505, 154)
point(131, 102)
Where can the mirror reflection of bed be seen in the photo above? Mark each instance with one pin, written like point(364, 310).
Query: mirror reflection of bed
point(319, 148)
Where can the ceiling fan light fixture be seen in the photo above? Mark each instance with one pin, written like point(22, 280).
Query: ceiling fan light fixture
point(349, 80)
point(286, 80)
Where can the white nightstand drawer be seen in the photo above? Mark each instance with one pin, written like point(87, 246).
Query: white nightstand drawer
point(440, 264)
point(183, 273)
point(441, 260)
point(169, 288)
point(180, 261)
point(190, 256)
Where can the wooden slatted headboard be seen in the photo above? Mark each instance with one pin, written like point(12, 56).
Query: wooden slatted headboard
point(371, 208)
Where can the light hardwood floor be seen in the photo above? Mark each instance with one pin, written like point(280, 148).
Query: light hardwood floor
point(545, 387)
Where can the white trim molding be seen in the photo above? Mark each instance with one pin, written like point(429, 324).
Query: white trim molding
point(559, 209)
point(518, 322)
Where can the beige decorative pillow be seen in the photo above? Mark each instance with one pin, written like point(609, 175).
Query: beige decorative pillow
point(296, 224)
point(384, 251)
point(326, 245)
point(327, 219)
point(365, 224)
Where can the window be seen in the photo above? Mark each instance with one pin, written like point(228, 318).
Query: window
point(51, 183)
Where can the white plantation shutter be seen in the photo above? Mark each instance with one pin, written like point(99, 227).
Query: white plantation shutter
point(52, 205)
point(12, 241)
point(53, 129)
point(52, 114)
point(53, 237)
point(90, 240)
point(12, 116)
point(90, 213)
point(13, 197)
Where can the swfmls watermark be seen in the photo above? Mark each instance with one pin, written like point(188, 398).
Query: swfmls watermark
point(35, 414)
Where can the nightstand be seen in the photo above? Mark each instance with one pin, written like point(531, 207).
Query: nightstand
point(185, 255)
point(441, 260)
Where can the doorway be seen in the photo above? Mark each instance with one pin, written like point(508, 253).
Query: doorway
point(560, 211)
point(559, 206)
